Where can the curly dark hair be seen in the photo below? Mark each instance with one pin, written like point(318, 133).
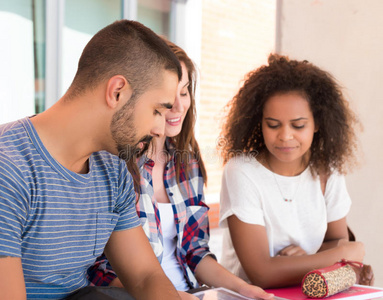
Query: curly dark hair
point(334, 144)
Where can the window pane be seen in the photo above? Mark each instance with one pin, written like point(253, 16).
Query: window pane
point(155, 14)
point(22, 58)
point(38, 13)
point(83, 18)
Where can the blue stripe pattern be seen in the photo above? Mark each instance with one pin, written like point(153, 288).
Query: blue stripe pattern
point(56, 220)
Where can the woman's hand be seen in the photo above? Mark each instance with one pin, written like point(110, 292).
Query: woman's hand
point(364, 275)
point(211, 273)
point(253, 291)
point(292, 250)
point(186, 296)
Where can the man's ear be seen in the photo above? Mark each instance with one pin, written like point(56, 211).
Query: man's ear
point(118, 91)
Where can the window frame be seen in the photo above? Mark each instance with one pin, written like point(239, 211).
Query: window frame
point(185, 31)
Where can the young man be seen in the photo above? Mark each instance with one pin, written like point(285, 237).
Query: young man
point(63, 195)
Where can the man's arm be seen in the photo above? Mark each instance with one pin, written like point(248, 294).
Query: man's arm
point(12, 285)
point(134, 262)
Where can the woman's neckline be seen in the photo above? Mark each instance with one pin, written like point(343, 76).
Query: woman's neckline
point(265, 162)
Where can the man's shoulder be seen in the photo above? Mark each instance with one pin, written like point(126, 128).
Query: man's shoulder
point(14, 140)
point(14, 150)
point(12, 131)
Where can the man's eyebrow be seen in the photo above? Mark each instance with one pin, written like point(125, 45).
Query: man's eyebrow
point(186, 84)
point(166, 105)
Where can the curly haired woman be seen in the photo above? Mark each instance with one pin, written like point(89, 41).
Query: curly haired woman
point(289, 141)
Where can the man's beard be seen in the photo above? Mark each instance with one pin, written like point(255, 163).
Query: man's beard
point(131, 152)
point(124, 134)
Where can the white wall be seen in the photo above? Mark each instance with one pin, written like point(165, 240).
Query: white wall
point(345, 37)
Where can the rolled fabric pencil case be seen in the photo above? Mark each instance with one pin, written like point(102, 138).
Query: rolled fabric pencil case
point(321, 283)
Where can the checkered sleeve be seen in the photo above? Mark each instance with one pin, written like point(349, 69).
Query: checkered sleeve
point(196, 230)
point(101, 272)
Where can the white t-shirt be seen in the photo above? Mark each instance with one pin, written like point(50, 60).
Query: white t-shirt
point(169, 262)
point(250, 192)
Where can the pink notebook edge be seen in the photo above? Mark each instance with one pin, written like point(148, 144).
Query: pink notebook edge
point(355, 292)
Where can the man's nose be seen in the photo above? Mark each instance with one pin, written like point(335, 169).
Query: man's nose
point(159, 127)
point(177, 106)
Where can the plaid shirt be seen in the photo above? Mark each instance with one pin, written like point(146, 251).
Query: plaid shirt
point(190, 216)
point(190, 213)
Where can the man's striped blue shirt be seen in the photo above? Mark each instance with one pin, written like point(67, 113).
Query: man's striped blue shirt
point(56, 220)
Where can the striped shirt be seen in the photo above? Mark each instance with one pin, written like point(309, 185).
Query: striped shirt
point(56, 220)
point(190, 216)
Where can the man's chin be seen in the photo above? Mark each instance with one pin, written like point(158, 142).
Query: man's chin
point(131, 152)
point(128, 152)
point(141, 148)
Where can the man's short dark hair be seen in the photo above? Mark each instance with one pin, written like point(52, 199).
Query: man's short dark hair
point(125, 48)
